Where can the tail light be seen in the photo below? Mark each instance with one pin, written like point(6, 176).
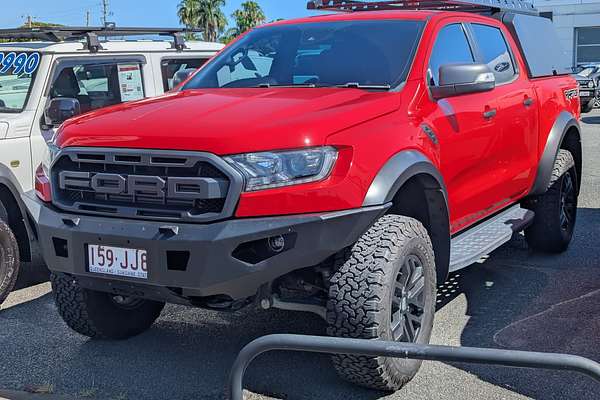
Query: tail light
point(42, 184)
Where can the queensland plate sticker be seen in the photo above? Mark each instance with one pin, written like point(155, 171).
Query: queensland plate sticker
point(19, 63)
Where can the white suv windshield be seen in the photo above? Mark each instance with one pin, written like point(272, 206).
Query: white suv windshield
point(588, 71)
point(366, 53)
point(17, 73)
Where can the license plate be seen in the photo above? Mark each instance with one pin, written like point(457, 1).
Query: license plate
point(118, 261)
point(585, 94)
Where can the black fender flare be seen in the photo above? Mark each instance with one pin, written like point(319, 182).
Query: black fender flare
point(396, 172)
point(9, 180)
point(562, 125)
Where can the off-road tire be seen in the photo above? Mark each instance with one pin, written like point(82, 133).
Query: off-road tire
point(96, 315)
point(548, 233)
point(361, 294)
point(9, 261)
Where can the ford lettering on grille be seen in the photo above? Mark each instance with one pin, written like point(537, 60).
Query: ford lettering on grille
point(172, 187)
point(149, 184)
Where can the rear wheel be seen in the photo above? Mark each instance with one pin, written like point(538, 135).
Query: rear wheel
point(102, 315)
point(384, 289)
point(9, 260)
point(556, 210)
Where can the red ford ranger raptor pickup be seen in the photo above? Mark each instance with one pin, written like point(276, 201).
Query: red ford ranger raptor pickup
point(342, 164)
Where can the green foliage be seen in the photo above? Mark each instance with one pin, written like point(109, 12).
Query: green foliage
point(34, 24)
point(246, 18)
point(203, 14)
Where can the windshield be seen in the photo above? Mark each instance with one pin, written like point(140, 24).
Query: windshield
point(587, 71)
point(17, 73)
point(363, 53)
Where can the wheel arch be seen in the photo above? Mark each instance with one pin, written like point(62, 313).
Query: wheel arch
point(565, 134)
point(416, 189)
point(18, 220)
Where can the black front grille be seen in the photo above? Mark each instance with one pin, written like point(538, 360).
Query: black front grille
point(145, 184)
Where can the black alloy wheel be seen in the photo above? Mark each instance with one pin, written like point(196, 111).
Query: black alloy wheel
point(408, 301)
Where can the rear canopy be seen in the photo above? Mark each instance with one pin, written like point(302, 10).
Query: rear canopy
point(540, 45)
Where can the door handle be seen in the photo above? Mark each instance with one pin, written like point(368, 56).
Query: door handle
point(528, 102)
point(489, 114)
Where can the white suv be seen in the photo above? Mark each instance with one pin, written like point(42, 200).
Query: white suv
point(66, 72)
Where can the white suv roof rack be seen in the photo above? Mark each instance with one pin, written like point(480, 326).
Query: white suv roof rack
point(91, 34)
point(476, 6)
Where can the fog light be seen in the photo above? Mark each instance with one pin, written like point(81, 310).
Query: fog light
point(276, 244)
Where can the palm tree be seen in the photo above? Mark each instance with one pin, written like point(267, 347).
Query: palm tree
point(246, 18)
point(204, 14)
point(249, 16)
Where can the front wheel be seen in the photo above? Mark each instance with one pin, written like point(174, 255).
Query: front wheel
point(102, 315)
point(556, 210)
point(9, 260)
point(384, 289)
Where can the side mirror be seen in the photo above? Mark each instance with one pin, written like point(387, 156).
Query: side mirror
point(61, 109)
point(181, 76)
point(458, 79)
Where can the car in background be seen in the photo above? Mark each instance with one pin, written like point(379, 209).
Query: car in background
point(42, 72)
point(588, 79)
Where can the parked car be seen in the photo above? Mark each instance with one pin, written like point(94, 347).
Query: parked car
point(341, 164)
point(588, 79)
point(38, 78)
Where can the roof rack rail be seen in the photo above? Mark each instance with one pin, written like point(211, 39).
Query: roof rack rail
point(91, 34)
point(476, 6)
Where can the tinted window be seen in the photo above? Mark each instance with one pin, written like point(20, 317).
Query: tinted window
point(97, 86)
point(451, 47)
point(494, 51)
point(588, 44)
point(320, 54)
point(171, 67)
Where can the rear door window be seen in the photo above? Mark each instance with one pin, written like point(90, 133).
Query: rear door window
point(99, 85)
point(451, 47)
point(170, 67)
point(494, 50)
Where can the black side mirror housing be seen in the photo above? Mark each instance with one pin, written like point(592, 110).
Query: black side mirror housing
point(459, 79)
point(61, 109)
point(181, 76)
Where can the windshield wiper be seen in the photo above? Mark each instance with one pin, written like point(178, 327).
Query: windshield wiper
point(294, 85)
point(356, 85)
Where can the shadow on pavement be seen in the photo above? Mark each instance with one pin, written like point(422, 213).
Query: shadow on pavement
point(549, 303)
point(187, 354)
point(516, 300)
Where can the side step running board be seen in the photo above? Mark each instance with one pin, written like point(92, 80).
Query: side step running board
point(470, 246)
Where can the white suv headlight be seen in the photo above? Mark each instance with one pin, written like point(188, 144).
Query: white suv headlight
point(267, 170)
point(50, 154)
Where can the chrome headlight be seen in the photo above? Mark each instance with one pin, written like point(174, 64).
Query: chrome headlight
point(590, 84)
point(267, 170)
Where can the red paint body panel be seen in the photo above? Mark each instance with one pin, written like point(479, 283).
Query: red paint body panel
point(486, 163)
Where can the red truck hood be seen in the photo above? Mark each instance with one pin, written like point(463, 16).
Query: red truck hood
point(228, 121)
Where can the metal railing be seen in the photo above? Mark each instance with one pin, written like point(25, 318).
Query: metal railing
point(332, 345)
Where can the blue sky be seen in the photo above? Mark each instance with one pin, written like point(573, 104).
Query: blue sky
point(157, 13)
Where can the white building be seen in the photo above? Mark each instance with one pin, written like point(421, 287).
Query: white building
point(578, 25)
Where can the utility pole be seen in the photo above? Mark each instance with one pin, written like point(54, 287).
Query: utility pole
point(105, 12)
point(28, 20)
point(87, 18)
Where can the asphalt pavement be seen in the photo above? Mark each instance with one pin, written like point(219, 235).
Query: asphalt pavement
point(515, 300)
